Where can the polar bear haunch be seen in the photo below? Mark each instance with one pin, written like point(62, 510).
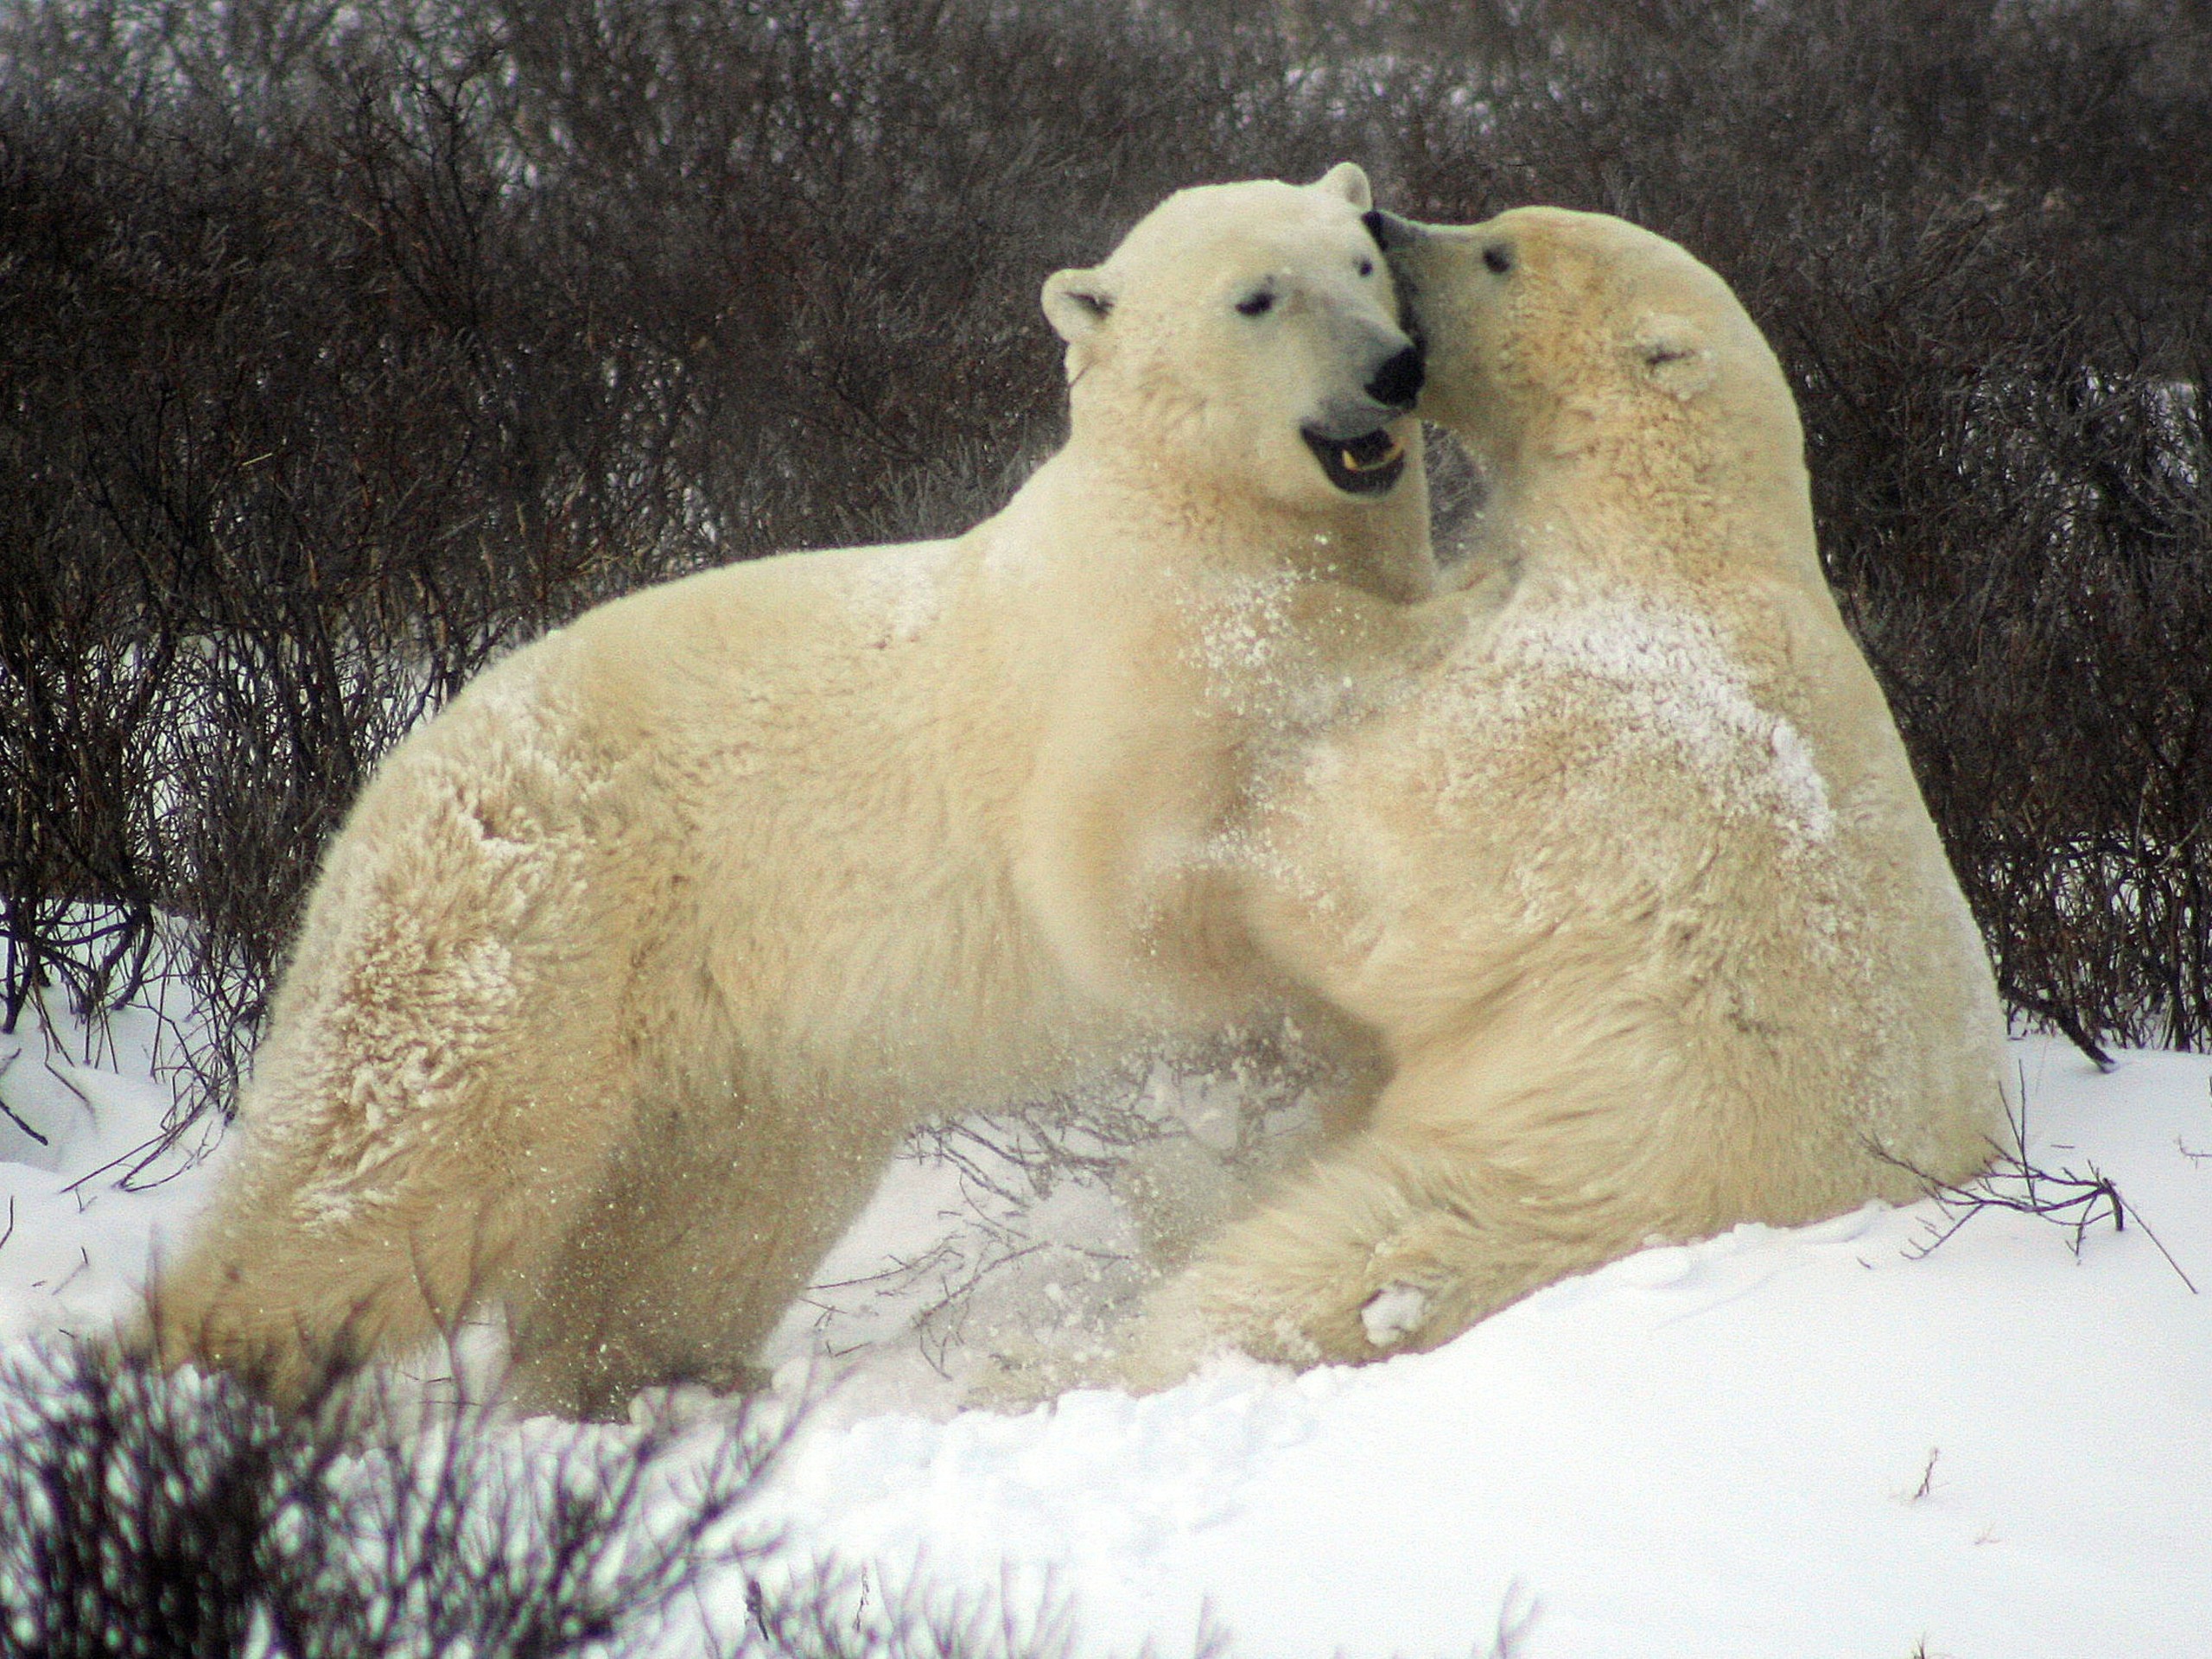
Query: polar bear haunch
point(1636, 890)
point(628, 971)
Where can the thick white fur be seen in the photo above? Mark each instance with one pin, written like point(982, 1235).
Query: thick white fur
point(628, 971)
point(1637, 890)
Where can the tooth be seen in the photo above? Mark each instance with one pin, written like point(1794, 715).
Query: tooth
point(1354, 464)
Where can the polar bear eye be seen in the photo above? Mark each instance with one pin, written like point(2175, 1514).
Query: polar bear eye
point(1257, 304)
point(1367, 267)
point(1498, 258)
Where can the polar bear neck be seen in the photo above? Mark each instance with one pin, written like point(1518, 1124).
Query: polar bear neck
point(1667, 517)
point(1662, 497)
point(1138, 513)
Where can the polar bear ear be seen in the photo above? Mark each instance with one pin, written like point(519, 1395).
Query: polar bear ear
point(1348, 179)
point(1075, 303)
point(1674, 352)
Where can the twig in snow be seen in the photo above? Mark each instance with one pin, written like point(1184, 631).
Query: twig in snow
point(139, 1158)
point(1927, 1476)
point(1516, 1617)
point(2076, 1202)
point(83, 1265)
point(9, 1111)
point(70, 1086)
point(2068, 1026)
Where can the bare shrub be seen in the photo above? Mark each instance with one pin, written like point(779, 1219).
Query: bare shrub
point(144, 1514)
point(148, 1515)
point(1154, 1155)
point(2075, 1200)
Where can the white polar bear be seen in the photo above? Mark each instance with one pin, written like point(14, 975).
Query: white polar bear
point(627, 972)
point(1636, 891)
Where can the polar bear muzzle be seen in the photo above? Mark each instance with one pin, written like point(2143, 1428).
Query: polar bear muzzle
point(1353, 442)
point(1367, 465)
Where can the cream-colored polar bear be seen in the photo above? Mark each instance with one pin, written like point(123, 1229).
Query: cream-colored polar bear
point(629, 970)
point(1637, 890)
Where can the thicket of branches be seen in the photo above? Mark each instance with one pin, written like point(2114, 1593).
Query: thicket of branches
point(145, 1515)
point(342, 345)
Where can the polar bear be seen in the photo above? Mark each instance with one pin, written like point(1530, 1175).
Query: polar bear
point(1636, 891)
point(626, 972)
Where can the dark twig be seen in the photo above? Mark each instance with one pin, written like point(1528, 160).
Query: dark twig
point(2068, 1026)
point(9, 1111)
point(2075, 1201)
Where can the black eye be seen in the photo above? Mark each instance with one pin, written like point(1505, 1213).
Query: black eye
point(1367, 267)
point(1257, 304)
point(1498, 258)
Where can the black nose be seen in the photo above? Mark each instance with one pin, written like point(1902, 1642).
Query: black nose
point(1389, 231)
point(1397, 382)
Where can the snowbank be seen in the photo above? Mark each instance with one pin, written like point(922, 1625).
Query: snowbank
point(1826, 1441)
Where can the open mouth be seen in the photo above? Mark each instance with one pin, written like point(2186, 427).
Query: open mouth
point(1361, 465)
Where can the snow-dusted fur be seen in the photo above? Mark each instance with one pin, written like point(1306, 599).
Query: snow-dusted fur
point(628, 971)
point(1638, 890)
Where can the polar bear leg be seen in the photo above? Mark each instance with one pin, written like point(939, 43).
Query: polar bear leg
point(685, 1288)
point(284, 1292)
point(420, 1132)
point(1394, 1241)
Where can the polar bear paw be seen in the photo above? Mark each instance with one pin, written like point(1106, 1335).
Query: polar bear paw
point(1393, 1314)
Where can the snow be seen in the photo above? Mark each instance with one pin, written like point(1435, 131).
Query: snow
point(1396, 1311)
point(1670, 679)
point(84, 1209)
point(1831, 1440)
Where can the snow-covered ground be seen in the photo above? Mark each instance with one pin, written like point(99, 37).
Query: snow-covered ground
point(1828, 1441)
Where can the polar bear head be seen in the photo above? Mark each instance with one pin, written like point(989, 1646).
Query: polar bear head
point(1248, 333)
point(1554, 335)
